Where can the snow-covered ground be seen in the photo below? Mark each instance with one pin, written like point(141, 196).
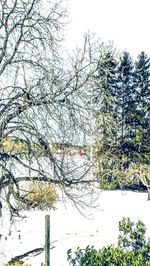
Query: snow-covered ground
point(70, 229)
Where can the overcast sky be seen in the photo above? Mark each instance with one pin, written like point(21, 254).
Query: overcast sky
point(126, 22)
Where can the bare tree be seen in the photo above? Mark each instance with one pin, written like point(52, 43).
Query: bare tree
point(142, 173)
point(44, 100)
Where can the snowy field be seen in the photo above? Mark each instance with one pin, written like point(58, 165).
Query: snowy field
point(70, 229)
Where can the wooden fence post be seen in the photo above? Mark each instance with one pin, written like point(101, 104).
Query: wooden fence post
point(148, 193)
point(47, 240)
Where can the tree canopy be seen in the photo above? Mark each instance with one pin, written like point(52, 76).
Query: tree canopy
point(41, 99)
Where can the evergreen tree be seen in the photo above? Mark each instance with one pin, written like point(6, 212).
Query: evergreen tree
point(105, 98)
point(142, 111)
point(105, 112)
point(126, 105)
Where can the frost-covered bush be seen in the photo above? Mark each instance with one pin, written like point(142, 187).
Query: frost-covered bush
point(132, 249)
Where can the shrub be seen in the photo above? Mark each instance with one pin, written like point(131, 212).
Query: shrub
point(41, 195)
point(132, 249)
point(132, 236)
point(114, 182)
point(37, 195)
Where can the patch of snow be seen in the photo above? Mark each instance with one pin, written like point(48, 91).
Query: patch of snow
point(70, 229)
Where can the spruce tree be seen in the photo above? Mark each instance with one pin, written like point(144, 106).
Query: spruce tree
point(105, 112)
point(105, 98)
point(126, 105)
point(142, 111)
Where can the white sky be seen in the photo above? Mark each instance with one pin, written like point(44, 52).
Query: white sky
point(126, 22)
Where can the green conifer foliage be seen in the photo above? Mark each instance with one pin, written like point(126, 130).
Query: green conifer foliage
point(105, 97)
point(142, 110)
point(105, 113)
point(126, 105)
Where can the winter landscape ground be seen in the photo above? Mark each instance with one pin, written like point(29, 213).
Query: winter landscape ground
point(70, 229)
